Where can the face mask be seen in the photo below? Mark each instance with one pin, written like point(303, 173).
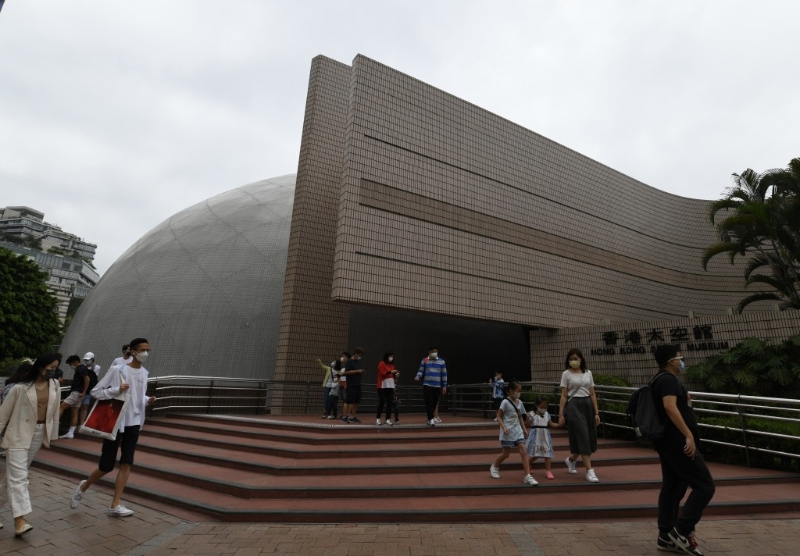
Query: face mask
point(541, 411)
point(513, 395)
point(391, 359)
point(342, 359)
point(575, 363)
point(433, 355)
point(683, 367)
point(142, 356)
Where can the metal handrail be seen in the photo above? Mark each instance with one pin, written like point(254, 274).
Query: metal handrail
point(709, 404)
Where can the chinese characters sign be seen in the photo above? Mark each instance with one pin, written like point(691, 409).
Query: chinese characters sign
point(624, 342)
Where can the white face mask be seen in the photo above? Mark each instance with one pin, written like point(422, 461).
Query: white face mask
point(343, 359)
point(142, 356)
point(541, 411)
point(434, 355)
point(575, 363)
point(513, 395)
point(391, 359)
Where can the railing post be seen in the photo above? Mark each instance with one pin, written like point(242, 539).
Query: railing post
point(484, 403)
point(308, 389)
point(602, 408)
point(210, 394)
point(743, 421)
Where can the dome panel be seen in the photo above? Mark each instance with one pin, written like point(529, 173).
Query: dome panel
point(204, 287)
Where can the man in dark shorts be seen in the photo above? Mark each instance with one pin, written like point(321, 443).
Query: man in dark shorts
point(682, 465)
point(77, 392)
point(352, 397)
point(130, 378)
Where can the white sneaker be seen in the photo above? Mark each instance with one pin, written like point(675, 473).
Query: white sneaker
point(329, 417)
point(591, 477)
point(77, 496)
point(432, 423)
point(495, 419)
point(66, 436)
point(388, 422)
point(437, 420)
point(378, 422)
point(570, 465)
point(529, 480)
point(494, 472)
point(119, 511)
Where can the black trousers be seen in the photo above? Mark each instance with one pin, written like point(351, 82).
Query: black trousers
point(385, 398)
point(678, 473)
point(431, 396)
point(331, 406)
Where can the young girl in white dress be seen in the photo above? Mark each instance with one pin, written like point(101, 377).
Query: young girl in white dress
point(511, 417)
point(540, 443)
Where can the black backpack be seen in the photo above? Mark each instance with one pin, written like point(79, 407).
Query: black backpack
point(644, 415)
point(92, 379)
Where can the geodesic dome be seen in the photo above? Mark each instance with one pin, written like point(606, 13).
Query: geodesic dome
point(204, 287)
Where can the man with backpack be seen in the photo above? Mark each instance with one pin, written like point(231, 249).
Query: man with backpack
point(682, 465)
point(77, 391)
point(94, 376)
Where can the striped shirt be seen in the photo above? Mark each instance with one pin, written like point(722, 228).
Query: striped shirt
point(433, 373)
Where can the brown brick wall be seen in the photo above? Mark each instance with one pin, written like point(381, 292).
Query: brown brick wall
point(448, 208)
point(311, 324)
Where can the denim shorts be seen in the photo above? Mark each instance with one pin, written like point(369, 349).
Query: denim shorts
point(512, 443)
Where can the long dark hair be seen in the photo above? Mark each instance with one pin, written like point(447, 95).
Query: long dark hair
point(41, 362)
point(21, 371)
point(387, 355)
point(570, 353)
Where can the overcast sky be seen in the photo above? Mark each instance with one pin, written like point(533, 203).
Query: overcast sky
point(116, 115)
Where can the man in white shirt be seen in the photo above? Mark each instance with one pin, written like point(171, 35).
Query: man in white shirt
point(130, 378)
point(125, 359)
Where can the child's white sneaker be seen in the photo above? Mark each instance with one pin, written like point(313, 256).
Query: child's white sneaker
point(388, 422)
point(591, 477)
point(494, 472)
point(529, 480)
point(378, 422)
point(570, 465)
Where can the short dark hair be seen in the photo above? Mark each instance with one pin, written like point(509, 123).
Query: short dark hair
point(664, 353)
point(358, 351)
point(430, 349)
point(511, 385)
point(570, 353)
point(346, 354)
point(126, 347)
point(136, 341)
point(73, 358)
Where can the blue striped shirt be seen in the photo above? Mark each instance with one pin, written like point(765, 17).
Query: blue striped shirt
point(434, 373)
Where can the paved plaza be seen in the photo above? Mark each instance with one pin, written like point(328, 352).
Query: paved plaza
point(58, 530)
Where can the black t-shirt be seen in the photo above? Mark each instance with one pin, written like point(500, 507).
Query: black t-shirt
point(353, 365)
point(669, 385)
point(77, 381)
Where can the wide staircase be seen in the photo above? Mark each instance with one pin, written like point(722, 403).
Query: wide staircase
point(303, 469)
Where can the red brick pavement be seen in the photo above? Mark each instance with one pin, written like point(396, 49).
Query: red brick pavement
point(59, 530)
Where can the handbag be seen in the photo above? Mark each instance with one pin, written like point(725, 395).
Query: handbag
point(566, 405)
point(103, 420)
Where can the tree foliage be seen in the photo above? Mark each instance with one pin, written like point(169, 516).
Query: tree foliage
point(753, 367)
point(28, 321)
point(760, 220)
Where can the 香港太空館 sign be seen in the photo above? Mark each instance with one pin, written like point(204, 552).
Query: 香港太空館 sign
point(637, 341)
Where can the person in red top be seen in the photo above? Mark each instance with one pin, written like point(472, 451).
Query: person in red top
point(387, 375)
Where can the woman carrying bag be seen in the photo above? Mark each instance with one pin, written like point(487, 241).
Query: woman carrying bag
point(30, 416)
point(579, 407)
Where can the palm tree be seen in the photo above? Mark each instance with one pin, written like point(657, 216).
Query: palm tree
point(762, 222)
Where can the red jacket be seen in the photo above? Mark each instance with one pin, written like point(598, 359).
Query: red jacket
point(384, 372)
